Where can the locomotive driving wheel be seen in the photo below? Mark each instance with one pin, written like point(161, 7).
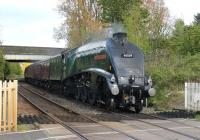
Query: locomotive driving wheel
point(110, 104)
point(78, 93)
point(65, 91)
point(92, 94)
point(138, 107)
point(138, 104)
point(109, 100)
point(84, 94)
point(92, 97)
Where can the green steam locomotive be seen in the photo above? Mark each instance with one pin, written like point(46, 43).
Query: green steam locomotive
point(108, 72)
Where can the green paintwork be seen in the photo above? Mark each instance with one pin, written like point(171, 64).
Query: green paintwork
point(55, 68)
point(75, 61)
point(78, 61)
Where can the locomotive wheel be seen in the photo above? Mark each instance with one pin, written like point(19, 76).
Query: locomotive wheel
point(99, 92)
point(92, 97)
point(138, 107)
point(110, 104)
point(84, 94)
point(78, 93)
point(109, 100)
point(65, 91)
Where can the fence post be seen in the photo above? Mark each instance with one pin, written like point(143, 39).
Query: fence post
point(4, 104)
point(186, 95)
point(15, 105)
point(9, 104)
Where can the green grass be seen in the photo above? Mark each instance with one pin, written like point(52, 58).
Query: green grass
point(197, 117)
point(23, 127)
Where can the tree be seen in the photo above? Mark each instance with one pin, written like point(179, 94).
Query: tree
point(6, 69)
point(2, 65)
point(192, 40)
point(81, 20)
point(185, 39)
point(177, 39)
point(136, 25)
point(12, 70)
point(158, 26)
point(114, 10)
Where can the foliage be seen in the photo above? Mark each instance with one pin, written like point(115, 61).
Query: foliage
point(136, 24)
point(191, 40)
point(2, 65)
point(23, 127)
point(175, 61)
point(186, 39)
point(12, 70)
point(81, 21)
point(197, 116)
point(6, 69)
point(169, 75)
point(114, 10)
point(177, 39)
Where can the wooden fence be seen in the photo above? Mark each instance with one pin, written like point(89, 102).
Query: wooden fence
point(192, 96)
point(8, 105)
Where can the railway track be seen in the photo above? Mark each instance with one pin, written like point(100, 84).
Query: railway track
point(63, 123)
point(142, 118)
point(167, 119)
point(45, 100)
point(142, 115)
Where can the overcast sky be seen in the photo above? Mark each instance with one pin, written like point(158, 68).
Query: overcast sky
point(31, 22)
point(185, 9)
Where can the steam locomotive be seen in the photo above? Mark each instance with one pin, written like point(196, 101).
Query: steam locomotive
point(108, 72)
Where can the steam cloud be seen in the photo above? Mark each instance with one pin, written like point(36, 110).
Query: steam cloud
point(106, 32)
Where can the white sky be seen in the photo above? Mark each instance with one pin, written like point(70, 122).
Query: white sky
point(31, 22)
point(184, 9)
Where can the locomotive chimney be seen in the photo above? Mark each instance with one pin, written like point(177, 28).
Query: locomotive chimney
point(120, 37)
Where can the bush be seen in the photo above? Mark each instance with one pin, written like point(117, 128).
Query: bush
point(169, 79)
point(12, 70)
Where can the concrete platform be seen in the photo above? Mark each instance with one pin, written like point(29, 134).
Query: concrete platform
point(50, 132)
point(58, 132)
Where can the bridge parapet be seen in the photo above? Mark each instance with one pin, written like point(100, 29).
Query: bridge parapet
point(25, 58)
point(28, 53)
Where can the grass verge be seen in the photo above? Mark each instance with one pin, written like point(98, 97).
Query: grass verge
point(23, 127)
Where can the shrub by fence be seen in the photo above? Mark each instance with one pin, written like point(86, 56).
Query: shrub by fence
point(8, 105)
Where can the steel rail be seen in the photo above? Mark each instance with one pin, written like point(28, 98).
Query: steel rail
point(82, 115)
point(167, 119)
point(64, 124)
point(168, 129)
